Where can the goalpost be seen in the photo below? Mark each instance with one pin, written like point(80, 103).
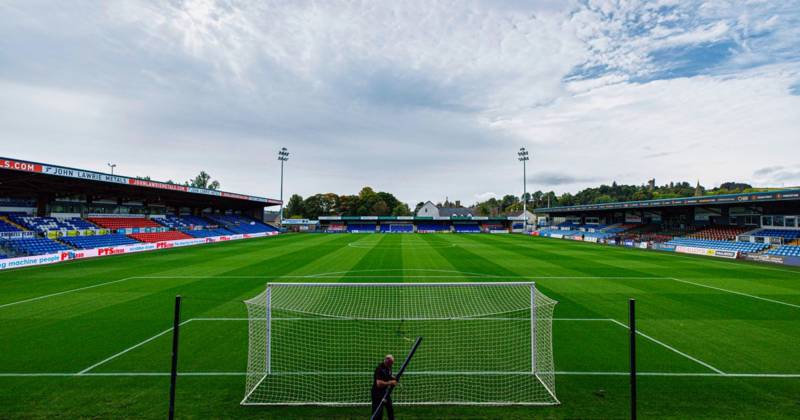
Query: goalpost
point(319, 343)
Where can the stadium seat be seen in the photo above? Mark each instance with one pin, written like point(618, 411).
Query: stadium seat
point(181, 222)
point(467, 228)
point(397, 228)
point(433, 227)
point(98, 241)
point(45, 224)
point(786, 234)
point(361, 227)
point(124, 222)
point(8, 227)
point(172, 235)
point(33, 246)
point(786, 251)
point(719, 233)
point(746, 247)
point(240, 224)
point(207, 233)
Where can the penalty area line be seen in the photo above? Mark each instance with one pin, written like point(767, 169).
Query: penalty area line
point(135, 346)
point(667, 346)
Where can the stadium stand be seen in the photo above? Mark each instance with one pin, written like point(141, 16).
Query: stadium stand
point(432, 227)
point(719, 233)
point(361, 227)
point(123, 222)
point(397, 228)
point(181, 222)
point(786, 234)
point(785, 251)
point(336, 228)
point(98, 241)
point(5, 226)
point(655, 233)
point(467, 228)
point(206, 233)
point(747, 247)
point(45, 224)
point(239, 224)
point(33, 246)
point(172, 235)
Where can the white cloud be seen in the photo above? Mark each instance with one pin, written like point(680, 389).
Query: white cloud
point(424, 99)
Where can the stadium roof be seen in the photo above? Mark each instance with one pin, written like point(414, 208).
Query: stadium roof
point(75, 179)
point(706, 200)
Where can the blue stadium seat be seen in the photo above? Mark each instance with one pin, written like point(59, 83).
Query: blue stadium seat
point(433, 227)
point(98, 241)
point(468, 228)
point(397, 228)
point(361, 227)
point(240, 224)
point(786, 251)
point(206, 233)
point(45, 224)
point(786, 234)
point(33, 246)
point(746, 247)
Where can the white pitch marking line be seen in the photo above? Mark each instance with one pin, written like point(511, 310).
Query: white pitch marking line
point(399, 319)
point(130, 348)
point(736, 293)
point(64, 292)
point(137, 345)
point(694, 359)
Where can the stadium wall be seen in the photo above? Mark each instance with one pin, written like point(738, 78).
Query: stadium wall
point(63, 256)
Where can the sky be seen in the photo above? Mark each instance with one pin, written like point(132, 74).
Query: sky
point(423, 99)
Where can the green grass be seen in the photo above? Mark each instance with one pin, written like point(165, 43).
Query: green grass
point(705, 313)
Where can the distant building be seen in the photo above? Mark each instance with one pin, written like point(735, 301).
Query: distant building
point(432, 210)
point(528, 215)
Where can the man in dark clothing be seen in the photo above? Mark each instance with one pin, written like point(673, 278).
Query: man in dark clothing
point(381, 379)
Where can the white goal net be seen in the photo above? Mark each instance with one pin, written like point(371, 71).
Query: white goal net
point(319, 343)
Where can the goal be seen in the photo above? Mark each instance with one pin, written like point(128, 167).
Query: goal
point(319, 343)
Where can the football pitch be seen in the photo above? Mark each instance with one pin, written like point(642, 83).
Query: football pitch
point(92, 338)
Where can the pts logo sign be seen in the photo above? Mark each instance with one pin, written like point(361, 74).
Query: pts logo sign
point(71, 255)
point(164, 245)
point(109, 251)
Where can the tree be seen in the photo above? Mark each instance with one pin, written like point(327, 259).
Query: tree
point(203, 180)
point(295, 206)
point(312, 207)
point(380, 208)
point(401, 209)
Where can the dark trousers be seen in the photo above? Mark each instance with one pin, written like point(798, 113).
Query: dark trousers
point(376, 400)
